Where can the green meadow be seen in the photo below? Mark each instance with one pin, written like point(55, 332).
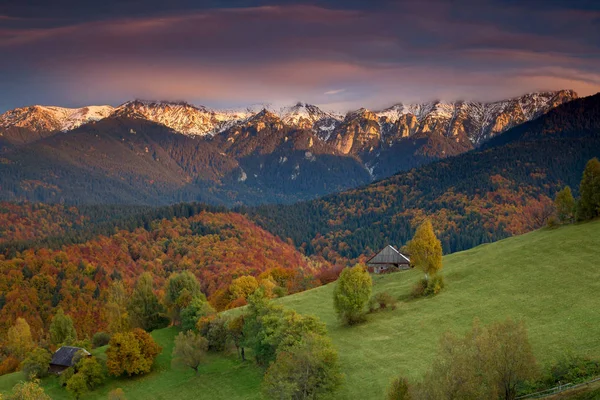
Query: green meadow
point(548, 278)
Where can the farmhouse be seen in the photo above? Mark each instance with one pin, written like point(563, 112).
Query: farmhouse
point(63, 358)
point(388, 260)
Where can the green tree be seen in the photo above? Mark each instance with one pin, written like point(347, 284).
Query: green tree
point(116, 308)
point(77, 386)
point(28, 391)
point(215, 333)
point(145, 310)
point(62, 329)
point(36, 364)
point(425, 250)
point(564, 203)
point(306, 370)
point(197, 309)
point(132, 353)
point(19, 340)
point(589, 190)
point(189, 350)
point(181, 288)
point(351, 294)
point(92, 371)
point(399, 390)
point(235, 330)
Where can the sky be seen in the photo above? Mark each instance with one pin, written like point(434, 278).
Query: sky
point(340, 55)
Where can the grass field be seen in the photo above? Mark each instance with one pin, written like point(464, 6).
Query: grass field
point(549, 278)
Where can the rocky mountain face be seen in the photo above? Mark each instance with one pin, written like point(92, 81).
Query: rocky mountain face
point(248, 155)
point(28, 124)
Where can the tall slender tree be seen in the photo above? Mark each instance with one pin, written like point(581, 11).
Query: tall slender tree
point(425, 250)
point(145, 310)
point(589, 190)
point(62, 330)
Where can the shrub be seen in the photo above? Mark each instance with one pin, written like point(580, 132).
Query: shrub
point(571, 369)
point(36, 364)
point(399, 390)
point(100, 339)
point(28, 391)
point(428, 287)
point(117, 394)
point(8, 365)
point(386, 300)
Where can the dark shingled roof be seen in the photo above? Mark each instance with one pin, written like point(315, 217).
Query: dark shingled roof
point(389, 255)
point(64, 355)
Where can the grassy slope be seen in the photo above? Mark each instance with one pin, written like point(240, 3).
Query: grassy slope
point(550, 278)
point(220, 378)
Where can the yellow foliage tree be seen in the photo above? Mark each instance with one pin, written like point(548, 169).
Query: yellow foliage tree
point(243, 287)
point(425, 250)
point(20, 341)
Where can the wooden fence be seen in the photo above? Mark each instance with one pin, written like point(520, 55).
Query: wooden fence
point(557, 390)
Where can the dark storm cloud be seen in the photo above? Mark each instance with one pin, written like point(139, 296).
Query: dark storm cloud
point(332, 53)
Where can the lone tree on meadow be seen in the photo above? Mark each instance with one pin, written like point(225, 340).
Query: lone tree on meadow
point(190, 350)
point(425, 250)
point(589, 190)
point(564, 203)
point(352, 293)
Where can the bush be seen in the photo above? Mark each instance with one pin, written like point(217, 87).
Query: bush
point(570, 369)
point(36, 364)
point(399, 390)
point(383, 301)
point(100, 339)
point(428, 287)
point(8, 365)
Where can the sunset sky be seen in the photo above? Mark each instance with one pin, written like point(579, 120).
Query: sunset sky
point(337, 54)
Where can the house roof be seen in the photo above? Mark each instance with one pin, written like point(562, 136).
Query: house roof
point(389, 255)
point(64, 355)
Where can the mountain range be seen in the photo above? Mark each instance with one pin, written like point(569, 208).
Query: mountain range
point(152, 152)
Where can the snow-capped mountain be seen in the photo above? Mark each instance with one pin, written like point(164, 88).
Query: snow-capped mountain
point(478, 121)
point(27, 124)
point(468, 123)
point(183, 117)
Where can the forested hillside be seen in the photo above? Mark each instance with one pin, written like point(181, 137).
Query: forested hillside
point(478, 197)
point(216, 246)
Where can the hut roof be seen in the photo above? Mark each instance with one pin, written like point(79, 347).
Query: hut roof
point(64, 355)
point(389, 255)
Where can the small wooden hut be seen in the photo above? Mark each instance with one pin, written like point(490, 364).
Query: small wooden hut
point(388, 260)
point(63, 358)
